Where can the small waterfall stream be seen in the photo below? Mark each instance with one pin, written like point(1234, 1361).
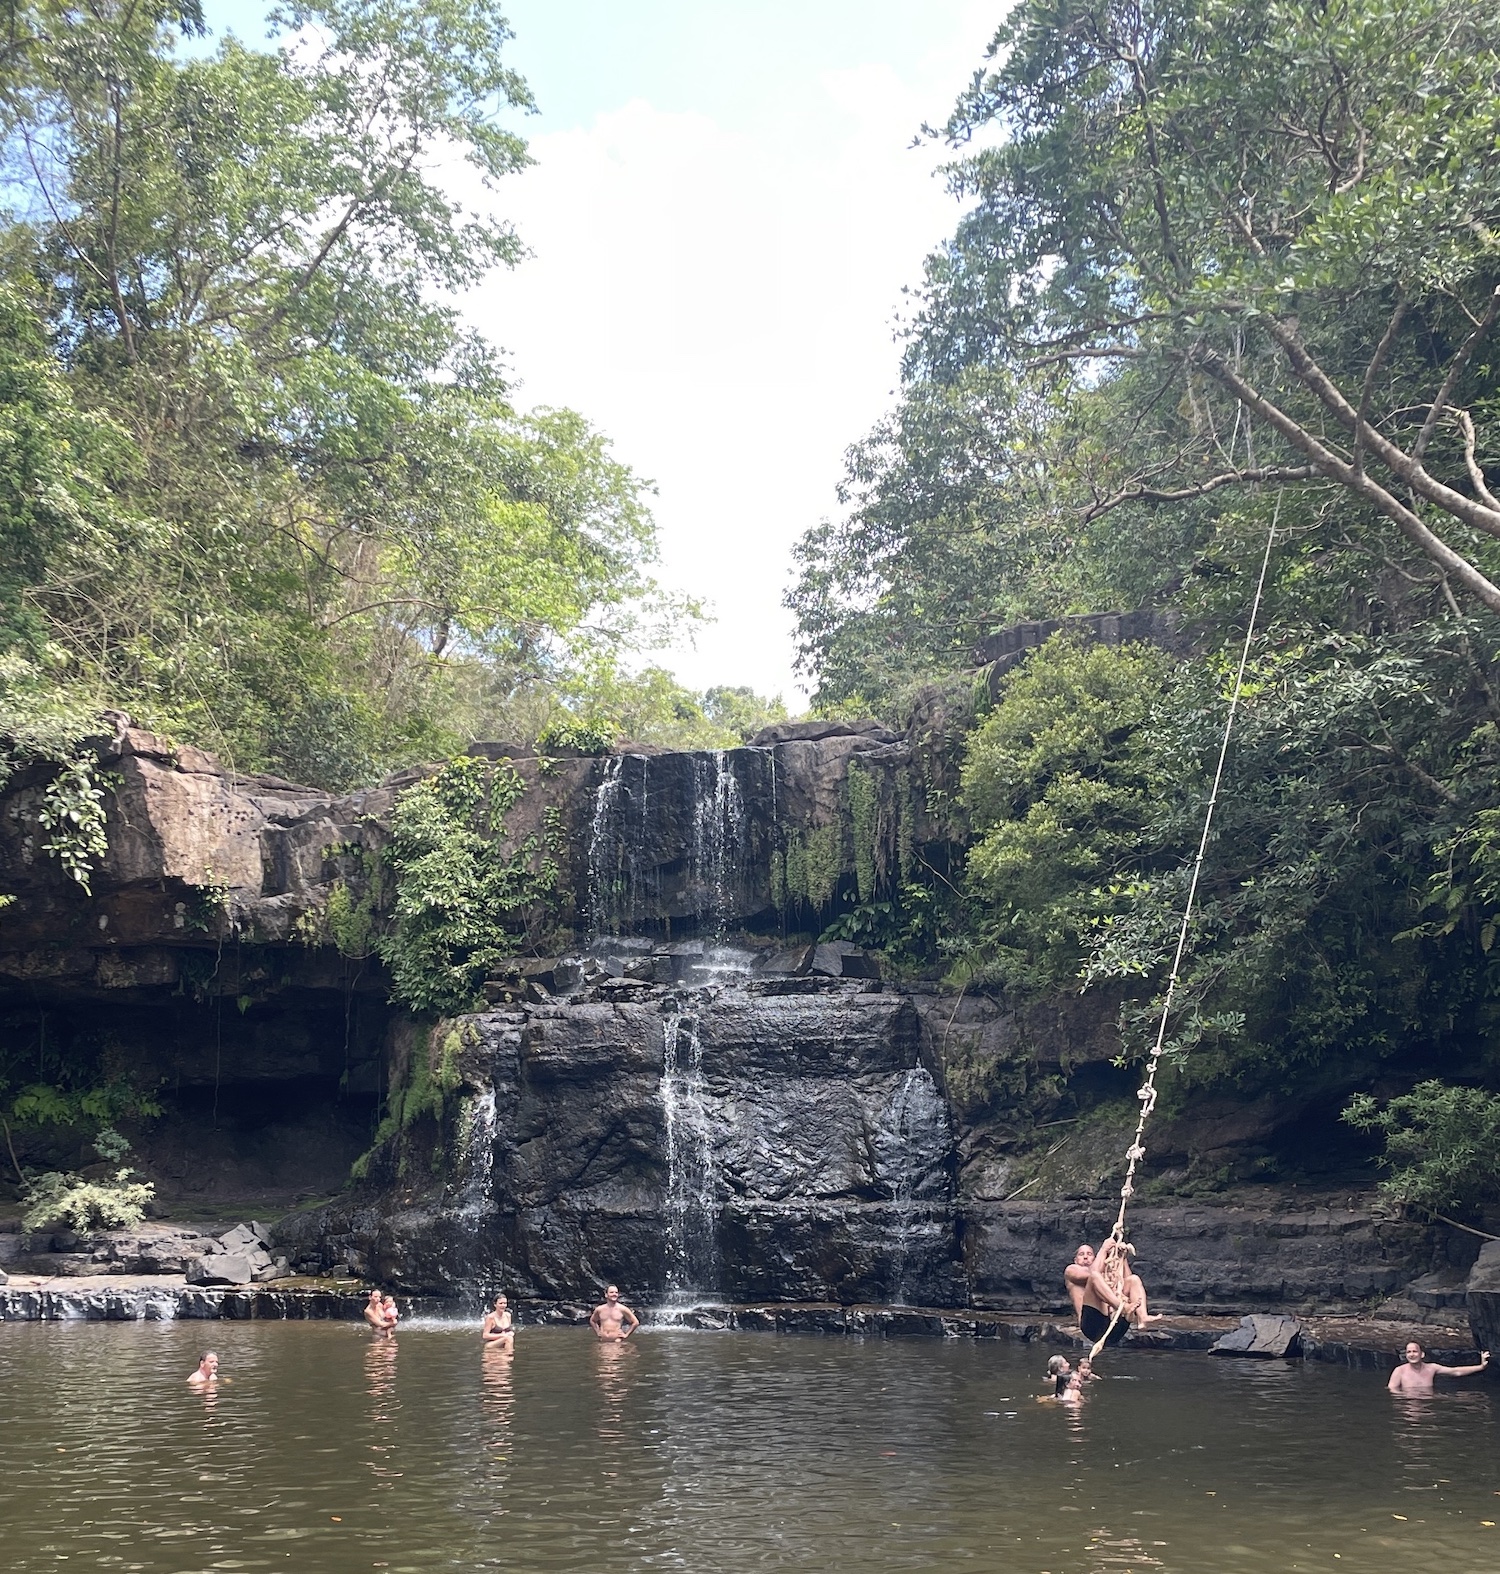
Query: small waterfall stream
point(477, 1160)
point(908, 1102)
point(718, 838)
point(692, 1184)
point(673, 843)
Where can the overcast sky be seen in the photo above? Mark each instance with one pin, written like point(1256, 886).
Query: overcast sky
point(724, 209)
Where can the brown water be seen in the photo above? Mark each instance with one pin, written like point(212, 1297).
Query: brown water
point(327, 1452)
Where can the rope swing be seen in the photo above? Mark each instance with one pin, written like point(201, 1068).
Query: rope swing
point(1117, 1249)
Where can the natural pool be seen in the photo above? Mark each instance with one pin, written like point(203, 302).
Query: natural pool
point(328, 1451)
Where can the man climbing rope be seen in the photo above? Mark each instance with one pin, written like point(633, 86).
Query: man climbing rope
point(1098, 1282)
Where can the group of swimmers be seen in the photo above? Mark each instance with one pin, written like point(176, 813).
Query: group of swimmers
point(1100, 1284)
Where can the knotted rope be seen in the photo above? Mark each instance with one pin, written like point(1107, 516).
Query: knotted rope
point(1118, 1250)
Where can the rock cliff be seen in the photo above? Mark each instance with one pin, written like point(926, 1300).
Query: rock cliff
point(681, 1093)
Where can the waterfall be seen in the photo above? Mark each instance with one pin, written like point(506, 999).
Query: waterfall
point(606, 847)
point(908, 1100)
point(691, 1202)
point(718, 838)
point(476, 1160)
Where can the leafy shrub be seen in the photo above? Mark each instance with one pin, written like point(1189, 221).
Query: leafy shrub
point(60, 1197)
point(577, 735)
point(461, 891)
point(1442, 1145)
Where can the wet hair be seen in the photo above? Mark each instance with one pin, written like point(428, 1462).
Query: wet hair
point(202, 1358)
point(1061, 1383)
point(1056, 1364)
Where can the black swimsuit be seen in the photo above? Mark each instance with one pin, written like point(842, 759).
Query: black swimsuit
point(1093, 1322)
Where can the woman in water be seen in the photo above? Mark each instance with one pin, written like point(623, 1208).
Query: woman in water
point(497, 1327)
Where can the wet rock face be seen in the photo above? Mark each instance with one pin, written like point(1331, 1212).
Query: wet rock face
point(676, 840)
point(777, 1140)
point(1484, 1300)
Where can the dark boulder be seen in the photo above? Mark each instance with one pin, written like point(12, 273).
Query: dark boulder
point(221, 1268)
point(1274, 1338)
point(1484, 1298)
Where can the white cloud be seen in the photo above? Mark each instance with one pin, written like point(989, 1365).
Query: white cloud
point(722, 304)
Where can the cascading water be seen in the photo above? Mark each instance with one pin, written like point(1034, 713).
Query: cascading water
point(477, 1159)
point(718, 839)
point(606, 847)
point(618, 832)
point(692, 1184)
point(903, 1118)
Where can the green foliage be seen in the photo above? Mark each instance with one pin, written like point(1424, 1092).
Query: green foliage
point(741, 711)
point(1442, 1145)
point(39, 725)
point(862, 794)
point(1058, 787)
point(427, 1084)
point(258, 484)
point(809, 867)
point(575, 735)
point(350, 921)
point(116, 1201)
point(463, 888)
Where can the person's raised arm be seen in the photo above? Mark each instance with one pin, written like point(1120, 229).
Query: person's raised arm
point(1466, 1371)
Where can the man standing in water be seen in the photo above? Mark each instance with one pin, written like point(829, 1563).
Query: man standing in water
point(1416, 1372)
point(612, 1318)
point(207, 1373)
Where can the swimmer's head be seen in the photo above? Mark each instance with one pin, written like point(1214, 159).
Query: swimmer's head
point(1085, 1367)
point(1056, 1364)
point(208, 1362)
point(1415, 1354)
point(611, 1292)
point(500, 1301)
point(1084, 1256)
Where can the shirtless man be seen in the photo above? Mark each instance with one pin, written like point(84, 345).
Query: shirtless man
point(207, 1373)
point(375, 1313)
point(1416, 1373)
point(497, 1327)
point(1076, 1277)
point(1089, 1280)
point(612, 1318)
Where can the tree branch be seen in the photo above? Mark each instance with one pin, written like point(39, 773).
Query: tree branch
point(1476, 473)
point(1331, 465)
point(1397, 462)
point(1146, 494)
point(1372, 371)
point(1455, 371)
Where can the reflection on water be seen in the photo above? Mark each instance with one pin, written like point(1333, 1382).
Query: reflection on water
point(324, 1451)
